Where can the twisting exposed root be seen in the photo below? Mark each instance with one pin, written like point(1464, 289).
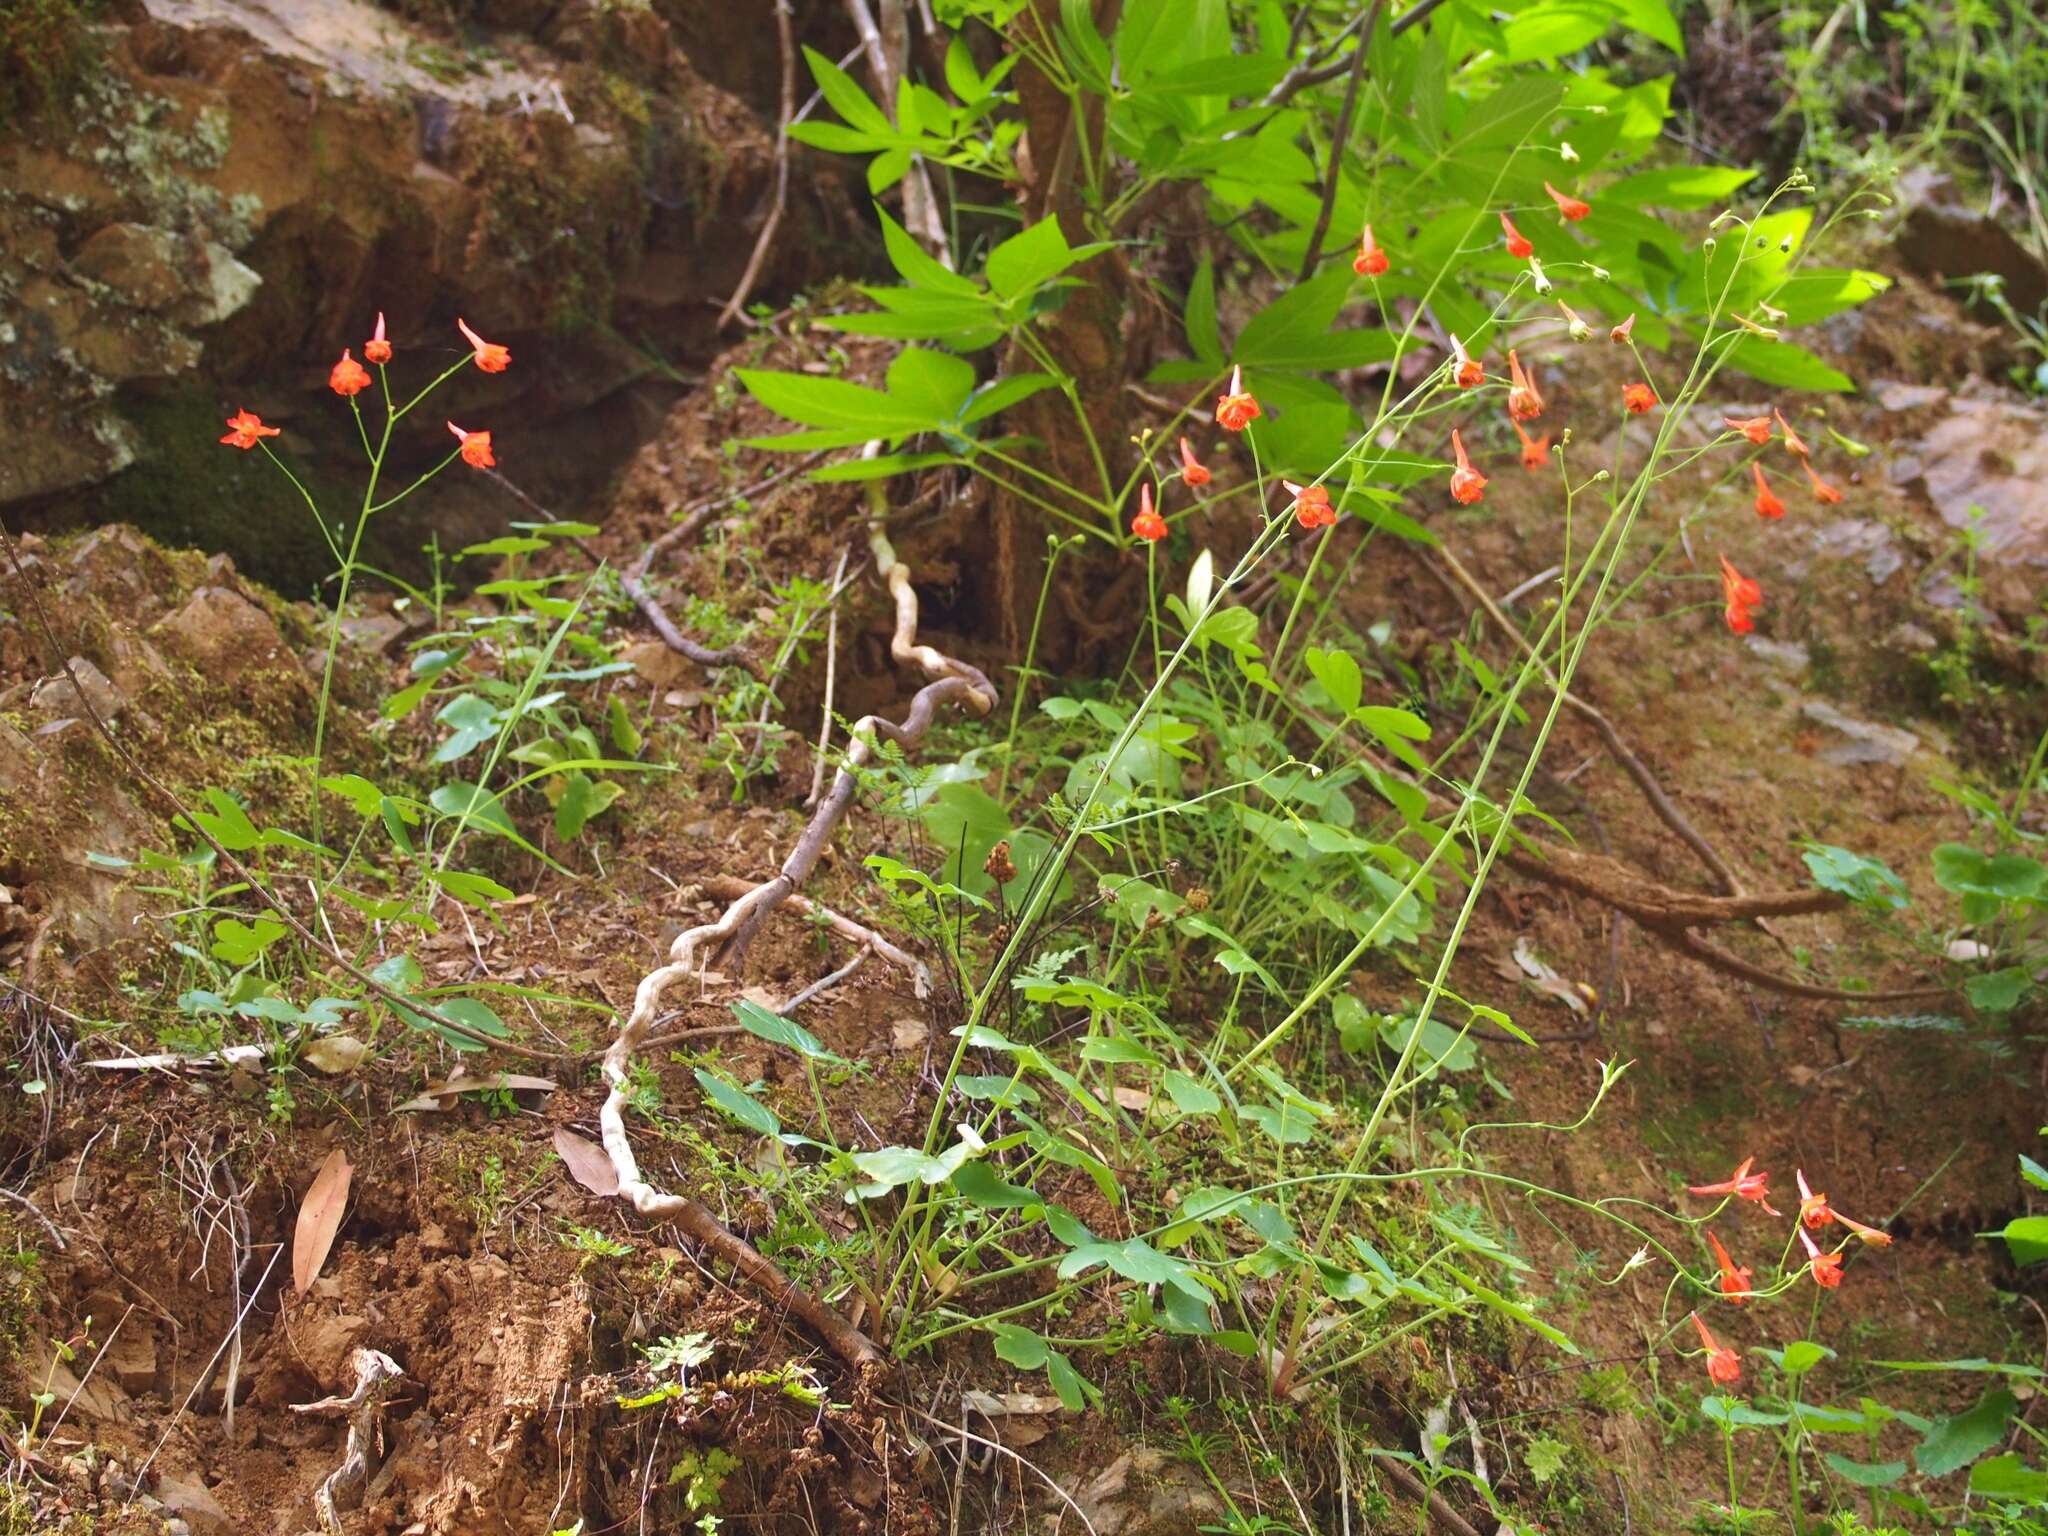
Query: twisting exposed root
point(342, 1489)
point(949, 680)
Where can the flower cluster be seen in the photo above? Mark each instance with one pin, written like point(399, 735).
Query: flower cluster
point(349, 378)
point(1815, 1214)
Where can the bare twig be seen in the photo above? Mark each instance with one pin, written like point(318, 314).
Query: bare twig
point(1339, 142)
point(766, 238)
point(732, 888)
point(831, 678)
point(1439, 1507)
point(826, 983)
point(920, 203)
point(34, 1210)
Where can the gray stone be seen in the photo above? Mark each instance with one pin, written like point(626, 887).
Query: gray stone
point(192, 1501)
point(223, 634)
point(57, 698)
point(1860, 741)
point(137, 261)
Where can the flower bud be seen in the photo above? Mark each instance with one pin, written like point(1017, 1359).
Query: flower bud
point(1566, 153)
point(1536, 277)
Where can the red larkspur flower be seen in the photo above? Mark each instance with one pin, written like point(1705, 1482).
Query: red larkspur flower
point(1467, 484)
point(1524, 402)
point(1370, 261)
point(348, 377)
point(1638, 398)
point(1235, 410)
point(1724, 1367)
point(1742, 1184)
point(1621, 333)
point(1767, 503)
point(1192, 469)
point(1312, 507)
point(1792, 439)
point(377, 349)
point(1148, 524)
point(1743, 596)
point(1467, 374)
point(1826, 1267)
point(1518, 243)
point(1571, 208)
point(1734, 1277)
point(245, 427)
point(1535, 450)
point(490, 357)
point(476, 448)
point(1756, 428)
point(1823, 493)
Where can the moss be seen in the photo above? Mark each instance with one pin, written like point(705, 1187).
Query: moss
point(21, 1285)
point(46, 48)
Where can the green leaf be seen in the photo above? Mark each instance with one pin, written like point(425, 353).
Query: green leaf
point(1786, 365)
point(845, 97)
point(1031, 258)
point(471, 889)
point(1003, 393)
point(508, 544)
point(1957, 1441)
point(1296, 332)
point(1998, 991)
point(2008, 876)
point(1340, 677)
point(1514, 1311)
point(2033, 1172)
point(1685, 186)
point(1554, 28)
point(1204, 340)
point(739, 1105)
point(881, 467)
point(1019, 1346)
point(228, 823)
point(2026, 1237)
point(979, 1184)
point(1880, 1474)
point(239, 943)
point(484, 811)
point(1866, 881)
point(1654, 20)
point(466, 1011)
point(835, 403)
point(1736, 1414)
point(625, 735)
point(1801, 1356)
point(934, 384)
point(776, 1030)
point(2009, 1478)
point(406, 700)
point(1189, 1096)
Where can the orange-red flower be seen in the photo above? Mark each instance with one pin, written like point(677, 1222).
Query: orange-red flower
point(1743, 597)
point(1638, 398)
point(1235, 409)
point(1756, 428)
point(490, 357)
point(349, 377)
point(1535, 450)
point(1571, 208)
point(1148, 524)
point(377, 349)
point(1312, 507)
point(1875, 1237)
point(1742, 1184)
point(1792, 439)
point(1826, 1267)
point(1767, 503)
point(1814, 1210)
point(1467, 484)
point(1621, 333)
point(1468, 374)
point(1192, 469)
point(1724, 1368)
point(476, 448)
point(1734, 1277)
point(1823, 493)
point(1370, 261)
point(1518, 243)
point(244, 427)
point(1524, 402)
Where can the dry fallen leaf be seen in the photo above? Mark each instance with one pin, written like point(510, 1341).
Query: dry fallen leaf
point(587, 1164)
point(444, 1095)
point(1136, 1100)
point(1547, 981)
point(335, 1054)
point(908, 1034)
point(319, 1219)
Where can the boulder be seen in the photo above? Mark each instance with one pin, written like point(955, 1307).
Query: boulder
point(223, 635)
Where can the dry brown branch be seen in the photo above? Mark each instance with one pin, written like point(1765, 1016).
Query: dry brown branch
point(766, 238)
point(1439, 1508)
point(343, 1488)
point(920, 203)
point(950, 679)
point(831, 683)
point(732, 888)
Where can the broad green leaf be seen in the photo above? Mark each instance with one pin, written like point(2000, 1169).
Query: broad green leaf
point(833, 403)
point(1957, 1441)
point(471, 889)
point(1204, 340)
point(2026, 1237)
point(934, 384)
point(1028, 259)
point(1514, 1311)
point(742, 1107)
point(1339, 675)
point(1879, 1474)
point(1786, 365)
point(776, 1030)
point(1866, 881)
point(1004, 393)
point(2010, 1479)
